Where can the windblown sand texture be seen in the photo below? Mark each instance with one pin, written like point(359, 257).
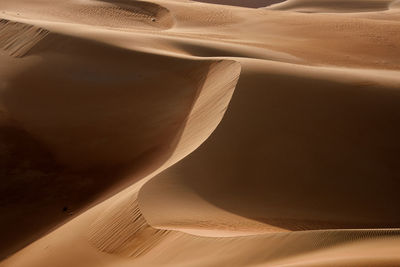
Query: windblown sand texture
point(176, 133)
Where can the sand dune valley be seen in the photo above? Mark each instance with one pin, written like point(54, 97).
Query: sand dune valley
point(209, 133)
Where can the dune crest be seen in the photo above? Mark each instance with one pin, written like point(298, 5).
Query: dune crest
point(283, 137)
point(68, 150)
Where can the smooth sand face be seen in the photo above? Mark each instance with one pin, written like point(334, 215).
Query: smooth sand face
point(180, 133)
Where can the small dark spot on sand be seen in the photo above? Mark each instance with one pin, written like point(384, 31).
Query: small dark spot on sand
point(65, 209)
point(153, 20)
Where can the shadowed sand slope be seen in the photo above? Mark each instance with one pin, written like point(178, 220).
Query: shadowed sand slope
point(323, 153)
point(71, 144)
point(18, 38)
point(179, 133)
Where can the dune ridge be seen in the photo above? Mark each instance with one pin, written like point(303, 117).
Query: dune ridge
point(286, 132)
point(60, 143)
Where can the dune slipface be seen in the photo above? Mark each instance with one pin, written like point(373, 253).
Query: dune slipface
point(199, 133)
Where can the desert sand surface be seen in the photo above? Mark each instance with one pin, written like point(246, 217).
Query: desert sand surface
point(187, 134)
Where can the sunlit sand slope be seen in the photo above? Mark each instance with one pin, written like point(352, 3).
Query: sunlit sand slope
point(82, 243)
point(322, 153)
point(78, 122)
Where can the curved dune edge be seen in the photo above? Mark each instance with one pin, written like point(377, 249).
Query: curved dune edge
point(121, 229)
point(208, 109)
point(334, 6)
point(37, 139)
point(221, 187)
point(135, 236)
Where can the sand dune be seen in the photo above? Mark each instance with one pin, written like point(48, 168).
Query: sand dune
point(334, 5)
point(181, 133)
point(299, 248)
point(58, 155)
point(104, 13)
point(346, 160)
